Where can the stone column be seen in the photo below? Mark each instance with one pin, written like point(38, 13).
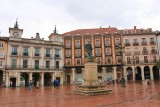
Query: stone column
point(73, 75)
point(18, 79)
point(151, 72)
point(30, 76)
point(142, 73)
point(42, 78)
point(124, 72)
point(53, 76)
point(133, 73)
point(7, 79)
point(104, 73)
point(72, 51)
point(115, 73)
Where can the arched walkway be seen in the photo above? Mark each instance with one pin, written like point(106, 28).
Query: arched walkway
point(155, 73)
point(138, 73)
point(1, 77)
point(47, 79)
point(146, 72)
point(129, 73)
point(36, 78)
point(24, 79)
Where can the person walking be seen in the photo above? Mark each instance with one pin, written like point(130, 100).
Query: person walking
point(37, 84)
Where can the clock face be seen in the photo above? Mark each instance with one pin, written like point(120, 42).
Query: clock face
point(15, 34)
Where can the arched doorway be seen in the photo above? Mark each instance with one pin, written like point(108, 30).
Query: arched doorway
point(138, 73)
point(24, 79)
point(155, 73)
point(47, 79)
point(36, 78)
point(1, 77)
point(129, 73)
point(146, 72)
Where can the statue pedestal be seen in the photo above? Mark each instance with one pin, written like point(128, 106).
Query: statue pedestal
point(91, 83)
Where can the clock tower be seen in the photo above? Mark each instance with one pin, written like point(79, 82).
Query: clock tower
point(15, 32)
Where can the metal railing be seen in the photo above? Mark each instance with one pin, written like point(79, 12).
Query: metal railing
point(144, 43)
point(141, 62)
point(33, 67)
point(135, 43)
point(152, 42)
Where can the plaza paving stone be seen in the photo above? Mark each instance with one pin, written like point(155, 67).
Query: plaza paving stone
point(133, 95)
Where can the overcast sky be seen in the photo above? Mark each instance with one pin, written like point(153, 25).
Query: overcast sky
point(42, 15)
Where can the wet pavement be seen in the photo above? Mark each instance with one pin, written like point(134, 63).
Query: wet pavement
point(133, 95)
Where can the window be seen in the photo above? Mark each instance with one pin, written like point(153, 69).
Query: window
point(97, 42)
point(143, 40)
point(99, 70)
point(36, 64)
point(47, 64)
point(108, 60)
point(78, 62)
point(1, 63)
point(119, 60)
point(57, 53)
point(152, 39)
point(78, 70)
point(57, 64)
point(154, 59)
point(128, 60)
point(37, 52)
point(47, 52)
point(68, 53)
point(68, 62)
point(14, 63)
point(117, 42)
point(125, 32)
point(135, 41)
point(126, 41)
point(98, 53)
point(108, 51)
point(25, 63)
point(68, 44)
point(77, 43)
point(137, 59)
point(78, 53)
point(1, 45)
point(145, 59)
point(107, 42)
point(14, 50)
point(133, 31)
point(25, 51)
point(1, 53)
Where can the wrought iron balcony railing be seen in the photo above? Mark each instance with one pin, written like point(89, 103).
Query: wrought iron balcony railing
point(32, 67)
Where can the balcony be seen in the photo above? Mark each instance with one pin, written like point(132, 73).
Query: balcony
point(117, 44)
point(68, 56)
point(77, 55)
point(135, 43)
point(118, 53)
point(68, 46)
point(48, 55)
point(152, 42)
point(108, 54)
point(37, 54)
point(25, 53)
point(129, 53)
point(32, 67)
point(127, 44)
point(153, 51)
point(144, 43)
point(107, 44)
point(136, 52)
point(14, 53)
point(98, 54)
point(142, 62)
point(97, 45)
point(145, 52)
point(77, 46)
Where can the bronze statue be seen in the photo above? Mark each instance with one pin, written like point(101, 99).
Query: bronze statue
point(88, 48)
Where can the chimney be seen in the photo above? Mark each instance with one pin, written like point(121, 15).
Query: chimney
point(134, 27)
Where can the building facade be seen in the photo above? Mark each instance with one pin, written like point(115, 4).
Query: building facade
point(112, 64)
point(141, 54)
point(33, 59)
point(3, 52)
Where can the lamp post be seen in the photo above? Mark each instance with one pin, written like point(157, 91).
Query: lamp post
point(120, 50)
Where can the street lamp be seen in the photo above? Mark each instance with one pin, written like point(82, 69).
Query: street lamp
point(120, 50)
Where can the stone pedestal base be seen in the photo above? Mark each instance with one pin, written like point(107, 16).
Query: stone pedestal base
point(92, 90)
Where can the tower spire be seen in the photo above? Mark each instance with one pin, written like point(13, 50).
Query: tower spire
point(55, 31)
point(16, 24)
